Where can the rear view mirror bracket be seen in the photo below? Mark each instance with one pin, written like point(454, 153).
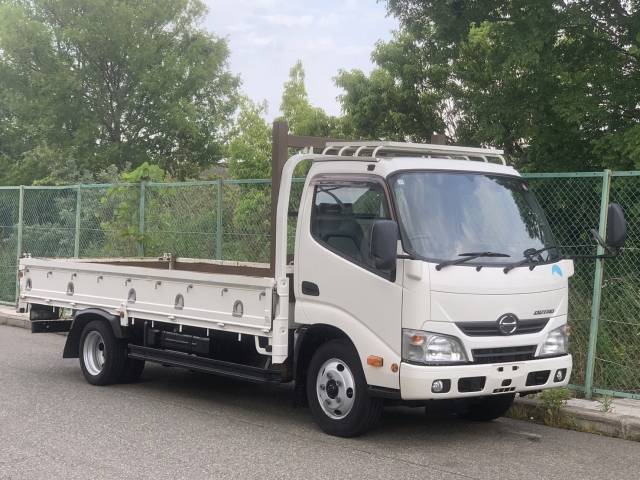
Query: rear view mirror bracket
point(616, 235)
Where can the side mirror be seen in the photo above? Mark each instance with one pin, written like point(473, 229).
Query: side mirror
point(616, 228)
point(384, 244)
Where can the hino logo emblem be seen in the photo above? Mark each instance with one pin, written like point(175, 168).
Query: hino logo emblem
point(508, 324)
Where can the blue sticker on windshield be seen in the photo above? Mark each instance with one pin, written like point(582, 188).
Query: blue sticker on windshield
point(556, 270)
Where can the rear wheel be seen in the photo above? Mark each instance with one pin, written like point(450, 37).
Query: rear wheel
point(102, 355)
point(485, 409)
point(337, 391)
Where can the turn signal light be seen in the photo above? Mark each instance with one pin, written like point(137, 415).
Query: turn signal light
point(375, 361)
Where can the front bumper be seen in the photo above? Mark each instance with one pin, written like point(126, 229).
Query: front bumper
point(416, 380)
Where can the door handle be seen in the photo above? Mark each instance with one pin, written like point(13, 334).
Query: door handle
point(310, 288)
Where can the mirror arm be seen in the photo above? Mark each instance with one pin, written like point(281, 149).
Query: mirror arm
point(599, 239)
point(593, 257)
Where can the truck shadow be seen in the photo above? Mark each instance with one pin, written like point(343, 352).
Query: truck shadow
point(274, 405)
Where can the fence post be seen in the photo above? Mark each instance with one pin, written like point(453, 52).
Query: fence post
point(19, 239)
point(597, 287)
point(218, 254)
point(141, 219)
point(76, 246)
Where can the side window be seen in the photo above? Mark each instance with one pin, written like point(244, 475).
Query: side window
point(343, 214)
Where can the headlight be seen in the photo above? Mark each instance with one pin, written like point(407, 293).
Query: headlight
point(556, 343)
point(427, 347)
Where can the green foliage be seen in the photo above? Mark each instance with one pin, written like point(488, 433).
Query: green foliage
point(86, 84)
point(249, 151)
point(118, 217)
point(249, 147)
point(555, 84)
point(392, 103)
point(144, 173)
point(606, 403)
point(551, 403)
point(250, 224)
point(304, 118)
point(118, 212)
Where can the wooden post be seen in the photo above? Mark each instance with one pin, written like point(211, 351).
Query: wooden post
point(438, 139)
point(280, 153)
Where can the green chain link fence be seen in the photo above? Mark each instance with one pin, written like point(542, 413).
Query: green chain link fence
point(230, 220)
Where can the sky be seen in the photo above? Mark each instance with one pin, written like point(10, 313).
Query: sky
point(266, 37)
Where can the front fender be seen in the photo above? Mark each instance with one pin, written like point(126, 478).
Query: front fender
point(364, 340)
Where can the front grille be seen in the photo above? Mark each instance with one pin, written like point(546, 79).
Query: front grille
point(502, 355)
point(489, 329)
point(538, 378)
point(471, 384)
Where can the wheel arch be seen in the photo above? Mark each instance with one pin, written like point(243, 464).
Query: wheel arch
point(308, 340)
point(80, 319)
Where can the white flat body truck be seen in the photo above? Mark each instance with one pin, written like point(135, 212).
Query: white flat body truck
point(420, 273)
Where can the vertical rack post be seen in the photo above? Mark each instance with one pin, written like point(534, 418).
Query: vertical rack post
point(279, 153)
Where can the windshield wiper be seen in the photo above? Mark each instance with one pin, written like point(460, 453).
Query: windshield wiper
point(466, 257)
point(529, 258)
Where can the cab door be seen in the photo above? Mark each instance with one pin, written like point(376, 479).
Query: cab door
point(336, 282)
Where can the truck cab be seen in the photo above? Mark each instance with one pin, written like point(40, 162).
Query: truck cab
point(469, 300)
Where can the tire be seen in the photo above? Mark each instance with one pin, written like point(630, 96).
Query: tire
point(337, 391)
point(485, 409)
point(132, 370)
point(102, 355)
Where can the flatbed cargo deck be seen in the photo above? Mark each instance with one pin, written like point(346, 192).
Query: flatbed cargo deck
point(188, 292)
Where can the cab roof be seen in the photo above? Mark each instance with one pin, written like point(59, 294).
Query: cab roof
point(386, 166)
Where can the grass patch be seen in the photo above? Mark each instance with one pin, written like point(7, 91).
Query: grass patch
point(549, 410)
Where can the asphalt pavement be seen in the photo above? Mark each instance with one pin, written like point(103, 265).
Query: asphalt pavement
point(178, 424)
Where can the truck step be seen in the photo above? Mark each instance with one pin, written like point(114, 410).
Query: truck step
point(206, 365)
point(50, 326)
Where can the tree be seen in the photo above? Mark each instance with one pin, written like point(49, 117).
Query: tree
point(554, 83)
point(249, 148)
point(247, 207)
point(304, 118)
point(95, 83)
point(396, 101)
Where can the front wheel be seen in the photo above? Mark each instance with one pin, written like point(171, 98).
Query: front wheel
point(337, 391)
point(485, 409)
point(102, 355)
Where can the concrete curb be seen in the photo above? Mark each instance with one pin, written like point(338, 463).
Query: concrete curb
point(610, 424)
point(8, 317)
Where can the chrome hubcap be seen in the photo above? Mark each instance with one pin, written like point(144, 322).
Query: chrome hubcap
point(336, 388)
point(93, 352)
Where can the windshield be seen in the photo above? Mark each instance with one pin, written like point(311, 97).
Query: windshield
point(444, 214)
